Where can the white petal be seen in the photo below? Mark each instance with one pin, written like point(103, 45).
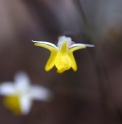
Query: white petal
point(25, 104)
point(7, 88)
point(79, 44)
point(89, 45)
point(22, 80)
point(40, 93)
point(47, 43)
point(63, 39)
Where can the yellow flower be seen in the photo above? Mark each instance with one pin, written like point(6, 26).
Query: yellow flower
point(62, 54)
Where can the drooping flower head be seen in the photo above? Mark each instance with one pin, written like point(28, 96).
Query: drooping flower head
point(18, 95)
point(62, 55)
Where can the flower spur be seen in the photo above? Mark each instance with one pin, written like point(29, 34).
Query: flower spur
point(62, 54)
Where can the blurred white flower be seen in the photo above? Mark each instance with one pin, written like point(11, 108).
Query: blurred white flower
point(20, 94)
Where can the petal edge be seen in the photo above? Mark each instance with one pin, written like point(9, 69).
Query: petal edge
point(50, 63)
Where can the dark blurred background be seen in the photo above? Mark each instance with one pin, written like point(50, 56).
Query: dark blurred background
point(93, 94)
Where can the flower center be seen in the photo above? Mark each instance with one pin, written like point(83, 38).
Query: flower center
point(62, 62)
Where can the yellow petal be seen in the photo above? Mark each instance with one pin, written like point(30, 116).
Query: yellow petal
point(73, 62)
point(60, 71)
point(62, 62)
point(63, 48)
point(51, 61)
point(12, 103)
point(51, 47)
point(76, 47)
